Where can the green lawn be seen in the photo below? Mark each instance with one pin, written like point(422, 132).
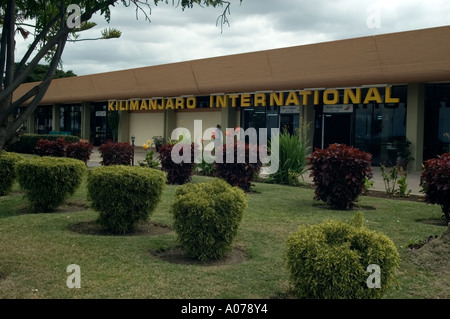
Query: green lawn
point(35, 249)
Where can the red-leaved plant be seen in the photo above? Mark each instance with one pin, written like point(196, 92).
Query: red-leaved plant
point(435, 182)
point(339, 172)
point(243, 169)
point(116, 153)
point(51, 148)
point(81, 151)
point(177, 173)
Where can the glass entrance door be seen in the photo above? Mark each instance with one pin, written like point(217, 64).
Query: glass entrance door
point(337, 129)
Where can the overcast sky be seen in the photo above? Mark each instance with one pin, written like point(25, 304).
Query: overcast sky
point(174, 35)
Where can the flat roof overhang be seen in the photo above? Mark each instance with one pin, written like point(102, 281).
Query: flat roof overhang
point(403, 57)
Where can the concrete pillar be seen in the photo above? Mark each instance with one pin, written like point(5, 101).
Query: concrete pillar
point(170, 123)
point(123, 134)
point(415, 112)
point(228, 118)
point(56, 118)
point(86, 120)
point(307, 119)
point(30, 123)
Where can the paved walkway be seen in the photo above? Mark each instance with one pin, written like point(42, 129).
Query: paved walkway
point(413, 179)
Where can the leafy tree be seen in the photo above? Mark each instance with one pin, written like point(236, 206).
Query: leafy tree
point(54, 22)
point(40, 71)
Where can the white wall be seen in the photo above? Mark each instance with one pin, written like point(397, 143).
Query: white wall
point(209, 120)
point(146, 125)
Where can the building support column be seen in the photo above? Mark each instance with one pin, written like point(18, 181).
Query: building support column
point(307, 124)
point(123, 132)
point(30, 123)
point(86, 121)
point(415, 123)
point(56, 118)
point(228, 118)
point(170, 123)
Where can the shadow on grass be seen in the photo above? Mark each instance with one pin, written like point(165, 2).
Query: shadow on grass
point(176, 255)
point(142, 229)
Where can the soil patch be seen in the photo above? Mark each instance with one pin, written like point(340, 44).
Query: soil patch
point(142, 229)
point(177, 256)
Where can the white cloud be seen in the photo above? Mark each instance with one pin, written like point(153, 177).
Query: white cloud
point(175, 35)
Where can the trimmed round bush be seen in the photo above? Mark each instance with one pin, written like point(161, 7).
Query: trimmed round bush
point(8, 163)
point(124, 195)
point(339, 173)
point(207, 217)
point(49, 181)
point(330, 261)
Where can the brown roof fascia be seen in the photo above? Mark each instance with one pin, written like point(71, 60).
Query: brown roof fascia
point(403, 57)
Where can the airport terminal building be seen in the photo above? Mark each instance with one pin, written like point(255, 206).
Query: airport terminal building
point(364, 92)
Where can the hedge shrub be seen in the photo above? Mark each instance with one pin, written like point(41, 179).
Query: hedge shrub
point(49, 181)
point(239, 173)
point(28, 142)
point(339, 174)
point(116, 153)
point(435, 182)
point(330, 261)
point(177, 173)
point(8, 163)
point(81, 151)
point(207, 217)
point(51, 148)
point(124, 195)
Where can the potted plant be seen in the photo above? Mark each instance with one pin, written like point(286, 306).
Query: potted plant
point(402, 145)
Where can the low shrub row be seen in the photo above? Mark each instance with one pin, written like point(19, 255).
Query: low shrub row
point(8, 162)
point(28, 142)
point(61, 148)
point(239, 171)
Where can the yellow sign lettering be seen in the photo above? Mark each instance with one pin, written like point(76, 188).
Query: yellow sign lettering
point(351, 97)
point(260, 99)
point(388, 98)
point(144, 105)
point(329, 97)
point(246, 100)
point(191, 102)
point(276, 99)
point(373, 95)
point(333, 100)
point(111, 105)
point(292, 99)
